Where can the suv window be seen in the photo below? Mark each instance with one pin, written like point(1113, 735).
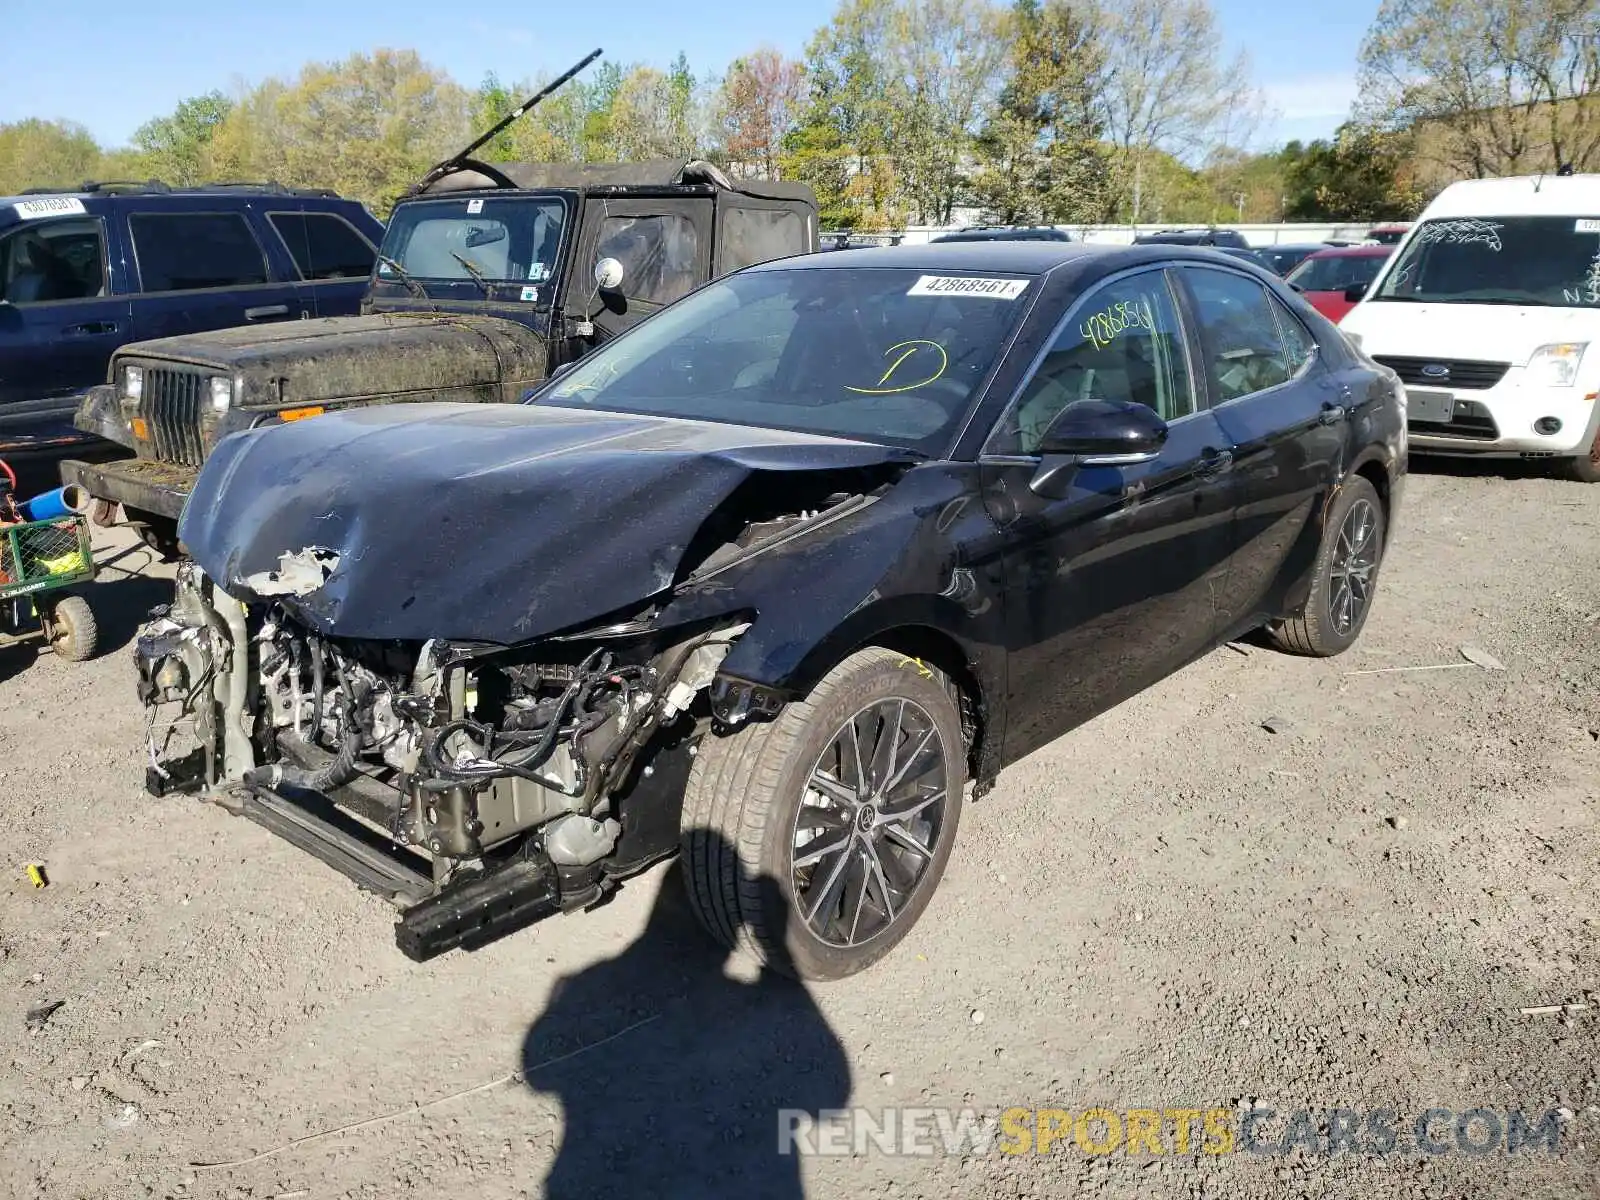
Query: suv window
point(1123, 341)
point(181, 251)
point(52, 260)
point(1243, 335)
point(757, 235)
point(324, 246)
point(657, 254)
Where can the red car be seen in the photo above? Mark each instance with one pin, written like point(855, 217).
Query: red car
point(1333, 280)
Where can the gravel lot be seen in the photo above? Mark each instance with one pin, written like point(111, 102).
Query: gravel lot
point(1171, 908)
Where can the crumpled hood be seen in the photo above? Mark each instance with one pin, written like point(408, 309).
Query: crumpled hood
point(341, 359)
point(494, 523)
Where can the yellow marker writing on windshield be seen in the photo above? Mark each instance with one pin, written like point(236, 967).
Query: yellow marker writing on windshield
point(910, 349)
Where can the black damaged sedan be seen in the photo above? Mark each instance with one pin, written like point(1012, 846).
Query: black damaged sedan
point(770, 581)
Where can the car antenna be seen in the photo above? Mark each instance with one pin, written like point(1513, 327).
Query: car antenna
point(457, 160)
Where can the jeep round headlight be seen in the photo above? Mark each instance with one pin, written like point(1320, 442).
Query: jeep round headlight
point(132, 383)
point(221, 393)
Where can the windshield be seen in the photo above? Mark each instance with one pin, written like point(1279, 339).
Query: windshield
point(1336, 272)
point(504, 239)
point(1549, 261)
point(893, 356)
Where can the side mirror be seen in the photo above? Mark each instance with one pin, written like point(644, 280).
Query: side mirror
point(1355, 293)
point(1097, 433)
point(608, 274)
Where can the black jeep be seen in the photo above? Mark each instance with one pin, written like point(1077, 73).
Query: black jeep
point(490, 279)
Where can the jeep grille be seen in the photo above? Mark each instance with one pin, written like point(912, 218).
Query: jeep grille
point(171, 405)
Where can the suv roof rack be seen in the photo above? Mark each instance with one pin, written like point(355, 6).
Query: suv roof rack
point(159, 187)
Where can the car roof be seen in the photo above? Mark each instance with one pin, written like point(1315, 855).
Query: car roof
point(1518, 196)
point(1355, 252)
point(1021, 257)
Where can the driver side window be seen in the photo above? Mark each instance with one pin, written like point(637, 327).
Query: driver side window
point(1123, 341)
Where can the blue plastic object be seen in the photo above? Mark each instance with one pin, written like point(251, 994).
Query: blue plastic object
point(47, 506)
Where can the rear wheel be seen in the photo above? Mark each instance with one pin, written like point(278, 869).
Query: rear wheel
point(814, 842)
point(1346, 576)
point(72, 630)
point(1585, 467)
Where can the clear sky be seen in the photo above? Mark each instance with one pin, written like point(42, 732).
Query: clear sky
point(112, 64)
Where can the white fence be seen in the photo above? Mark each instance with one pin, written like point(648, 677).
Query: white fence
point(1256, 235)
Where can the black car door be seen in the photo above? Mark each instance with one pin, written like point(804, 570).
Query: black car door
point(202, 267)
point(1110, 586)
point(331, 256)
point(59, 322)
point(1283, 411)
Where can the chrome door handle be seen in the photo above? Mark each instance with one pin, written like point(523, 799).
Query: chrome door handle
point(266, 310)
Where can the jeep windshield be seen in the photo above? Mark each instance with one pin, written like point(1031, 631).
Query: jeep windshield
point(1534, 261)
point(476, 241)
point(880, 355)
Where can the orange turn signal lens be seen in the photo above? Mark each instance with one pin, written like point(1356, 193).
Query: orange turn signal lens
point(300, 414)
point(140, 429)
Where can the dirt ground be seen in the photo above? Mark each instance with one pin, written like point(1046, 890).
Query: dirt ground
point(1172, 908)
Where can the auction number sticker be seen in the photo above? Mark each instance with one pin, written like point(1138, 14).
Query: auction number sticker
point(1587, 225)
point(56, 206)
point(963, 285)
point(474, 206)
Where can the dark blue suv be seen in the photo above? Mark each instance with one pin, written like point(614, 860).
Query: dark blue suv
point(82, 273)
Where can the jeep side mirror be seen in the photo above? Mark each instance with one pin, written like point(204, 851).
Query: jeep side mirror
point(1355, 293)
point(1096, 433)
point(608, 274)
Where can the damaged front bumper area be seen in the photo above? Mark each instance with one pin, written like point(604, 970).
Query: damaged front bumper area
point(478, 788)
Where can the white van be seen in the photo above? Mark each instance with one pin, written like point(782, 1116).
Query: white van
point(1489, 311)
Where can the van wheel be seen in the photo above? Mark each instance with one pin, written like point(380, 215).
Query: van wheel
point(1585, 468)
point(813, 842)
point(1346, 576)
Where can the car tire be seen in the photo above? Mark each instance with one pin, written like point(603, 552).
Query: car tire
point(1585, 467)
point(158, 533)
point(1345, 579)
point(72, 630)
point(751, 794)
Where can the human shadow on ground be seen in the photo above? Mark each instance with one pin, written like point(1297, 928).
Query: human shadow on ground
point(690, 1103)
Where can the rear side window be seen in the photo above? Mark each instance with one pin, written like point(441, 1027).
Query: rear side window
point(1243, 334)
point(658, 255)
point(52, 260)
point(324, 246)
point(181, 251)
point(757, 235)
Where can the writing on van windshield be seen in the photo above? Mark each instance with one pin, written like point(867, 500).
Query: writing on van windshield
point(1461, 232)
point(1588, 292)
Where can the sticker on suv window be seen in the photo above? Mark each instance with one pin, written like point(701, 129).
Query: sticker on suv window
point(1587, 225)
point(56, 206)
point(961, 285)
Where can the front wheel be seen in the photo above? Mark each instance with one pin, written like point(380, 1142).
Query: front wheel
point(1585, 467)
point(1346, 576)
point(814, 842)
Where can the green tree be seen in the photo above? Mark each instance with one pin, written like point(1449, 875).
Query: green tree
point(1362, 174)
point(490, 104)
point(176, 148)
point(756, 109)
point(1040, 156)
point(35, 153)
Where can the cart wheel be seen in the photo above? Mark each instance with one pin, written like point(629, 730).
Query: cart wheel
point(72, 630)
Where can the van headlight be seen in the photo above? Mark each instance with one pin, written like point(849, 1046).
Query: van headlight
point(221, 393)
point(1557, 363)
point(131, 383)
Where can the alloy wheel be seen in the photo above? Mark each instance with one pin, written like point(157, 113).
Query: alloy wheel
point(1355, 558)
point(870, 822)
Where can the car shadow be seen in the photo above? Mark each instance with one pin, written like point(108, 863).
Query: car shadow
point(673, 1077)
point(1479, 468)
point(122, 600)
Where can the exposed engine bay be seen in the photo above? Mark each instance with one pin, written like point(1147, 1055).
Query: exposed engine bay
point(516, 781)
